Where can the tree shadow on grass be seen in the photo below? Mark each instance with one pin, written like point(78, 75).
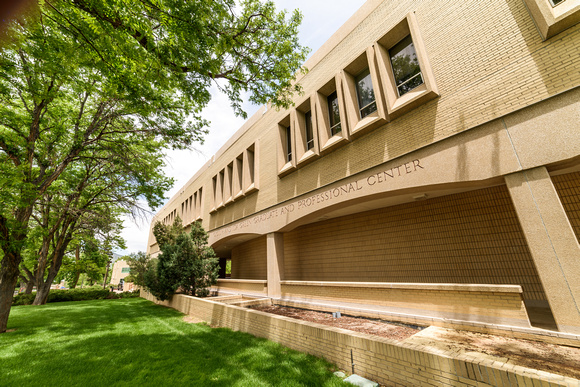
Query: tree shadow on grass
point(137, 342)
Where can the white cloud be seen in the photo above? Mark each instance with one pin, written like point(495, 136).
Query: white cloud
point(320, 20)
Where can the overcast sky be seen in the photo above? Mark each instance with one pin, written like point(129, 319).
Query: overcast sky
point(321, 18)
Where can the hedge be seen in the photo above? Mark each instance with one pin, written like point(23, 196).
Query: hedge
point(58, 295)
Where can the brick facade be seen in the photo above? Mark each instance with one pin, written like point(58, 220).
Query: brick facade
point(471, 178)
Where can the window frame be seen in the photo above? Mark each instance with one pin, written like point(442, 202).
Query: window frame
point(251, 177)
point(285, 165)
point(552, 19)
point(356, 124)
point(398, 105)
point(327, 140)
point(302, 153)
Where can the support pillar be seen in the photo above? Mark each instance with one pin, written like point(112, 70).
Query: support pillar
point(275, 263)
point(552, 242)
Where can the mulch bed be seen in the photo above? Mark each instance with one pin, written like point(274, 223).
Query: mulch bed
point(381, 328)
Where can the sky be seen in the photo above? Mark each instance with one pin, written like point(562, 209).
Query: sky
point(321, 19)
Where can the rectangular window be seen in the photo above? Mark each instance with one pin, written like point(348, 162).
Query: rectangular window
point(288, 144)
point(198, 203)
point(556, 2)
point(239, 175)
point(251, 165)
point(126, 270)
point(228, 184)
point(334, 114)
point(406, 69)
point(365, 94)
point(309, 132)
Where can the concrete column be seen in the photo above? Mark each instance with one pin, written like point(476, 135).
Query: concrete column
point(552, 242)
point(275, 264)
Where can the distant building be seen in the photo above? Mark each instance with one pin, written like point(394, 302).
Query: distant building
point(119, 271)
point(430, 169)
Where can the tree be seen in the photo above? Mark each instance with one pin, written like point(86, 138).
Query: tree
point(139, 263)
point(186, 262)
point(91, 77)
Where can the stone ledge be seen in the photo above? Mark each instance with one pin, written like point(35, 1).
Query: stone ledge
point(412, 286)
point(241, 281)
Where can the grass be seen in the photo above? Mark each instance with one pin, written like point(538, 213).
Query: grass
point(135, 342)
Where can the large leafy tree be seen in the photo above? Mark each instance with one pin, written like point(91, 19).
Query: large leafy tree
point(92, 77)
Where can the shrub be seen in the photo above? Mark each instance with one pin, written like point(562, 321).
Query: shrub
point(74, 295)
point(23, 299)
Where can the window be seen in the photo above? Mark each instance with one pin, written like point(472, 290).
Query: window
point(214, 197)
point(406, 69)
point(288, 144)
point(198, 204)
point(238, 176)
point(363, 98)
point(285, 149)
point(403, 64)
point(309, 131)
point(331, 113)
point(251, 177)
point(334, 114)
point(228, 181)
point(553, 16)
point(303, 118)
point(365, 93)
point(126, 270)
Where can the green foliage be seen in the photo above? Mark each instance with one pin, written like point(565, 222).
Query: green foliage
point(92, 293)
point(186, 262)
point(93, 91)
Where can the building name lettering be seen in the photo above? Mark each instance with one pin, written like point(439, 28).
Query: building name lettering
point(328, 195)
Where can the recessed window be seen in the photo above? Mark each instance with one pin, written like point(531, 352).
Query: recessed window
point(334, 114)
point(556, 2)
point(406, 69)
point(199, 204)
point(309, 131)
point(288, 144)
point(365, 93)
point(251, 169)
point(125, 270)
point(239, 176)
point(228, 183)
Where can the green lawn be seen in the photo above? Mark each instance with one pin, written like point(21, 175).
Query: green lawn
point(135, 342)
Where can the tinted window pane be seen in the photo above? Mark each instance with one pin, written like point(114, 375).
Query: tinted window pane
point(309, 133)
point(365, 93)
point(405, 65)
point(334, 114)
point(288, 144)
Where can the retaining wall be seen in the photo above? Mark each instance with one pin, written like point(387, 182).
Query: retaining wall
point(379, 359)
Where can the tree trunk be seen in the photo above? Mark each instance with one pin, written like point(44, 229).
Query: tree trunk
point(106, 274)
point(42, 293)
point(55, 264)
point(8, 280)
point(29, 287)
point(75, 280)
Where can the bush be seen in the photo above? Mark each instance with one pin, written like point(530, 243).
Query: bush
point(74, 295)
point(23, 299)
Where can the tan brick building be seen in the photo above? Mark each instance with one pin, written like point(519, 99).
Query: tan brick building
point(431, 169)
